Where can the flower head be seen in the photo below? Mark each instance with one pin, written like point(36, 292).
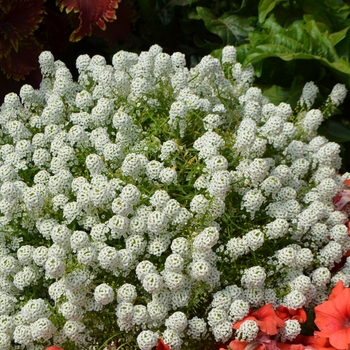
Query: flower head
point(289, 314)
point(266, 319)
point(333, 317)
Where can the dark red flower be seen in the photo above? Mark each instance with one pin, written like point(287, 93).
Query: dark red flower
point(19, 50)
point(90, 13)
point(161, 345)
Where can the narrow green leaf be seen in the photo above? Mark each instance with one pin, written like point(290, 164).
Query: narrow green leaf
point(335, 38)
point(265, 6)
point(229, 27)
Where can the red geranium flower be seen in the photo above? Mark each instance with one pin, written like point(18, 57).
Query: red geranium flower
point(266, 319)
point(302, 342)
point(161, 345)
point(262, 342)
point(333, 317)
point(289, 314)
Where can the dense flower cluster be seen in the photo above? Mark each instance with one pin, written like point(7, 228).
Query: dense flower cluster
point(149, 201)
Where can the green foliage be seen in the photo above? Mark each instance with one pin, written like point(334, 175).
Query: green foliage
point(229, 27)
point(299, 41)
point(292, 42)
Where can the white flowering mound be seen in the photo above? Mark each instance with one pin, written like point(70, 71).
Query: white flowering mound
point(150, 201)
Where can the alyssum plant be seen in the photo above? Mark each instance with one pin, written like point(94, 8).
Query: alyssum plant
point(148, 201)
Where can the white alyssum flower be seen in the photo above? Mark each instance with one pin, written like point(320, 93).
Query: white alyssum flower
point(152, 189)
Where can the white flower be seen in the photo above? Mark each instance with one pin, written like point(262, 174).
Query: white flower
point(104, 294)
point(309, 94)
point(248, 331)
point(338, 94)
point(42, 329)
point(147, 340)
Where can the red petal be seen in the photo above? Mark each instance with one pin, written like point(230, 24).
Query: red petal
point(119, 29)
point(54, 347)
point(268, 321)
point(238, 324)
point(342, 305)
point(238, 345)
point(340, 339)
point(18, 64)
point(342, 199)
point(347, 182)
point(161, 345)
point(299, 315)
point(286, 314)
point(21, 19)
point(334, 315)
point(90, 12)
point(339, 287)
point(327, 324)
point(283, 313)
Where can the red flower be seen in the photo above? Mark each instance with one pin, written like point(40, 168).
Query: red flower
point(161, 345)
point(262, 342)
point(54, 347)
point(333, 317)
point(90, 13)
point(289, 314)
point(237, 345)
point(19, 49)
point(266, 319)
point(302, 342)
point(342, 199)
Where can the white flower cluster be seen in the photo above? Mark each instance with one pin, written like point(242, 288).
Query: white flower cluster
point(146, 193)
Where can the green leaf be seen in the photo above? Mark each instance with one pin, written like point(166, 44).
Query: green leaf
point(204, 44)
point(242, 52)
point(299, 41)
point(335, 131)
point(334, 14)
point(278, 94)
point(343, 47)
point(147, 7)
point(181, 2)
point(266, 6)
point(335, 38)
point(323, 27)
point(229, 27)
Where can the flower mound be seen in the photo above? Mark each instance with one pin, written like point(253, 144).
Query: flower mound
point(156, 205)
